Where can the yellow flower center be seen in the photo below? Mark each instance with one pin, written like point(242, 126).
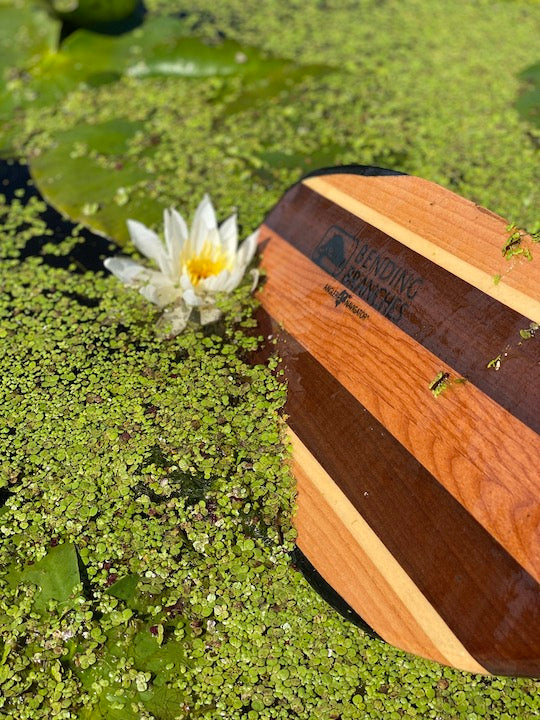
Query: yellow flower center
point(211, 261)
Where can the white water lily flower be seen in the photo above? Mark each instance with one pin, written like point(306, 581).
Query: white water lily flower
point(193, 266)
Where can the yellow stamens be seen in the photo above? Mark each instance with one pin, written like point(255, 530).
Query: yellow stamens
point(210, 261)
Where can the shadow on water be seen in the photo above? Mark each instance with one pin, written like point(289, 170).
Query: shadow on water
point(327, 592)
point(114, 27)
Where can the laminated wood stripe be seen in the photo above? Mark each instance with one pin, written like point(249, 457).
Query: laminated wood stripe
point(366, 574)
point(443, 227)
point(487, 459)
point(455, 321)
point(484, 596)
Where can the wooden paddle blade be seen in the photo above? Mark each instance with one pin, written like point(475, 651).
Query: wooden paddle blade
point(406, 319)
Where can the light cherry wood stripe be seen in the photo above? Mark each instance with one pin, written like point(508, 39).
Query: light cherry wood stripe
point(487, 459)
point(442, 227)
point(371, 578)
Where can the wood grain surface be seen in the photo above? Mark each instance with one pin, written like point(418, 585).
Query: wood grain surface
point(422, 512)
point(451, 231)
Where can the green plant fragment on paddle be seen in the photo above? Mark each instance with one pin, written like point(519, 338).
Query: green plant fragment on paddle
point(528, 333)
point(495, 363)
point(513, 246)
point(439, 383)
point(442, 381)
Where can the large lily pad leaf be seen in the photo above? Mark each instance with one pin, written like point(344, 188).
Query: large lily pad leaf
point(88, 175)
point(56, 575)
point(26, 33)
point(528, 104)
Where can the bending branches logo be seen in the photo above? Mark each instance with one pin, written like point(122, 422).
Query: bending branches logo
point(370, 270)
point(335, 250)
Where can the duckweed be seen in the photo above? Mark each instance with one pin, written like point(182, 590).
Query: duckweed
point(150, 478)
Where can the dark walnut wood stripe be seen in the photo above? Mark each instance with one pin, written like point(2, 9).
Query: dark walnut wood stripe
point(486, 458)
point(448, 229)
point(485, 597)
point(455, 321)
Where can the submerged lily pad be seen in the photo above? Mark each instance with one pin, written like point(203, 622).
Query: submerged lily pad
point(279, 75)
point(88, 175)
point(55, 575)
point(158, 664)
point(528, 104)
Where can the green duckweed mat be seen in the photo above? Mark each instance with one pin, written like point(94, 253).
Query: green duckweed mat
point(147, 502)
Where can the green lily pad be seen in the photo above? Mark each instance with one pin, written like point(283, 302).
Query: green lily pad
point(27, 32)
point(272, 161)
point(324, 155)
point(528, 104)
point(279, 75)
point(88, 175)
point(55, 575)
point(160, 663)
point(159, 47)
point(126, 589)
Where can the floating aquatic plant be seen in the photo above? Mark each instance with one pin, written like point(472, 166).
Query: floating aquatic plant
point(193, 266)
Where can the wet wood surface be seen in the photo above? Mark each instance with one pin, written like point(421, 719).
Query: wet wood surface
point(419, 505)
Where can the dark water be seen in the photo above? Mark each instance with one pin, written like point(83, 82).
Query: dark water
point(15, 182)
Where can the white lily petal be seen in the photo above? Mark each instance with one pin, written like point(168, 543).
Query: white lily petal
point(148, 243)
point(124, 268)
point(159, 290)
point(190, 298)
point(214, 283)
point(247, 249)
point(228, 231)
point(203, 222)
point(255, 275)
point(209, 314)
point(173, 321)
point(234, 280)
point(214, 239)
point(185, 282)
point(176, 235)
